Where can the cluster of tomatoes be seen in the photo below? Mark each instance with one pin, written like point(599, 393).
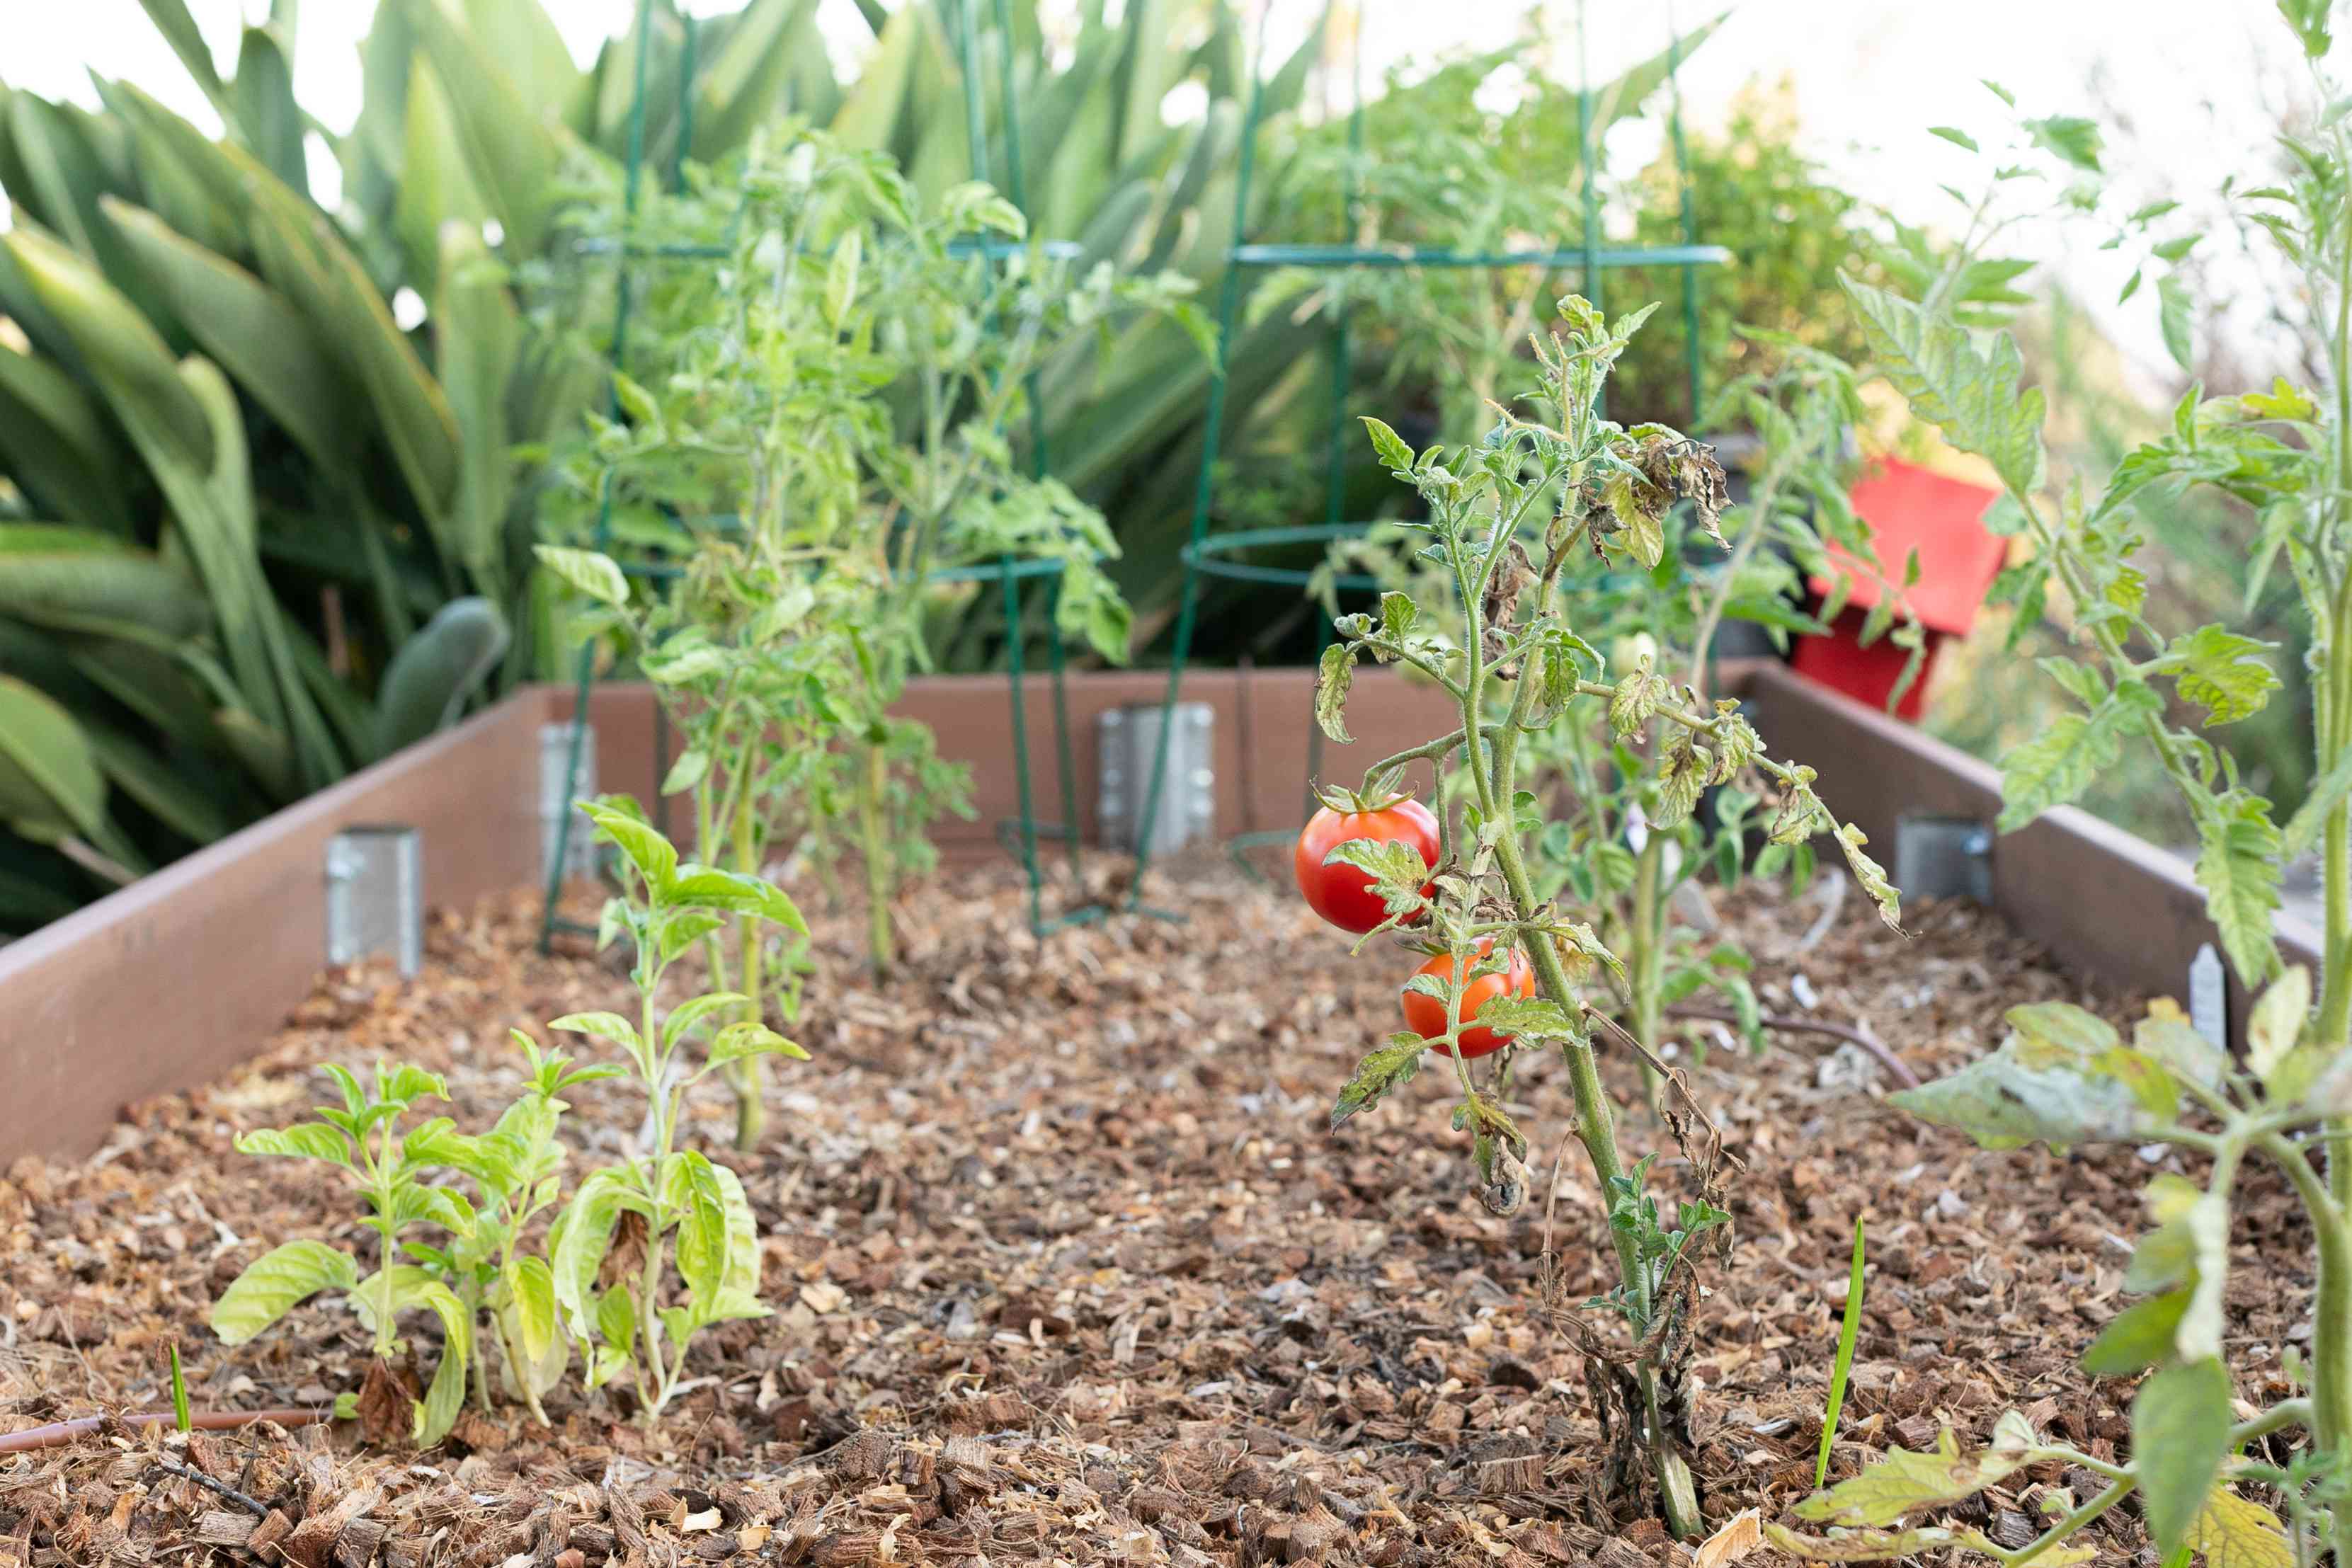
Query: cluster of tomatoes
point(1344, 895)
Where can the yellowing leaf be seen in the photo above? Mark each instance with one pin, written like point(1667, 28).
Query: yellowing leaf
point(2181, 1430)
point(1331, 682)
point(2277, 1021)
point(1902, 1482)
point(2233, 1532)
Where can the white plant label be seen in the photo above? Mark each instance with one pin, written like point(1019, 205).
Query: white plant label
point(2208, 997)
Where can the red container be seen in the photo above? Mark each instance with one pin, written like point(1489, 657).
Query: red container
point(1907, 508)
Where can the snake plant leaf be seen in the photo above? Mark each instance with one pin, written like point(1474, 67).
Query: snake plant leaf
point(530, 48)
point(934, 136)
point(115, 339)
point(41, 658)
point(27, 902)
point(263, 752)
point(870, 114)
point(266, 345)
point(1110, 235)
point(167, 187)
point(21, 302)
point(65, 178)
point(478, 338)
point(346, 711)
point(428, 680)
point(167, 792)
point(268, 120)
point(151, 682)
point(1048, 109)
point(303, 257)
point(755, 74)
point(1147, 68)
point(438, 188)
point(80, 580)
point(370, 154)
point(57, 446)
point(179, 28)
point(1216, 143)
point(511, 154)
point(50, 785)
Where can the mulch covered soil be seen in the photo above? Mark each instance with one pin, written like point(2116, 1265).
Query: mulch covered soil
point(1069, 1269)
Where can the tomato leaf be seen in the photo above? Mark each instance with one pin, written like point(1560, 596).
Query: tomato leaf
point(1332, 678)
point(2180, 1432)
point(1383, 1071)
point(1902, 1482)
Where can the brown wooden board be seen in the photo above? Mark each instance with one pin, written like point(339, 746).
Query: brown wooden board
point(163, 985)
point(166, 983)
point(2100, 899)
point(1261, 725)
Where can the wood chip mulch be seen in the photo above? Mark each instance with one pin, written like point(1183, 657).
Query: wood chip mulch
point(1069, 1269)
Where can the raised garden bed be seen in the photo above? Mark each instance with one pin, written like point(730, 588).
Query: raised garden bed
point(1069, 1269)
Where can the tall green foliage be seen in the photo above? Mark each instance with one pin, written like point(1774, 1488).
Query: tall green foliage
point(207, 627)
point(257, 532)
point(813, 432)
point(2063, 1076)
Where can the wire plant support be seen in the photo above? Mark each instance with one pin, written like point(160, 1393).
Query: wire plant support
point(1020, 835)
point(1208, 555)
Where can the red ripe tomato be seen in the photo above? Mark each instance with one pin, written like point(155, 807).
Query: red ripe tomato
point(1425, 1015)
point(1342, 893)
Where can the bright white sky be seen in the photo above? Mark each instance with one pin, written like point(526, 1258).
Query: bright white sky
point(2193, 76)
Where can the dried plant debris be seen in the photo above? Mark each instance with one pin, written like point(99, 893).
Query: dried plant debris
point(1071, 1271)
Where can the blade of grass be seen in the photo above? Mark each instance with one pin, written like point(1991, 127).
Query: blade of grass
point(1844, 1366)
point(180, 1416)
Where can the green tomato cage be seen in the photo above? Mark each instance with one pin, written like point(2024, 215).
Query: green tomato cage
point(1208, 555)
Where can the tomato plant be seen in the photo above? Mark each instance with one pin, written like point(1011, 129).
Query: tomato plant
point(2065, 1076)
point(1547, 488)
point(1622, 843)
point(811, 436)
point(1342, 893)
point(692, 1212)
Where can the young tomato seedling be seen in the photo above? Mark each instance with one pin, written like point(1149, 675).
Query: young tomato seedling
point(1568, 482)
point(680, 1205)
point(518, 1164)
point(364, 1138)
